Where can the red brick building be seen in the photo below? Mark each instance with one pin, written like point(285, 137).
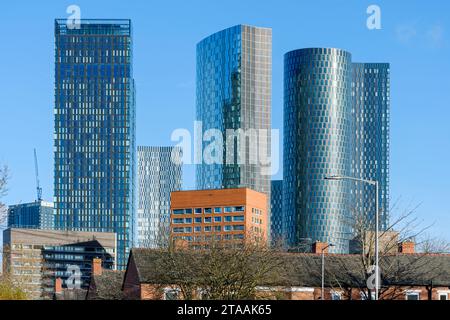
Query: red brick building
point(199, 217)
point(405, 275)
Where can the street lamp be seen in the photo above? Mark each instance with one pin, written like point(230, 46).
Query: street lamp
point(373, 183)
point(323, 268)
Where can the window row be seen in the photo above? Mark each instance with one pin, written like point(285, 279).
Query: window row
point(209, 210)
point(226, 228)
point(209, 219)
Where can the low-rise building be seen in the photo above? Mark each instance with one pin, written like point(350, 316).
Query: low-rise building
point(35, 258)
point(404, 276)
point(201, 216)
point(387, 242)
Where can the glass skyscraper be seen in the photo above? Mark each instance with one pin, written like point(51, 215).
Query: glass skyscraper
point(234, 91)
point(317, 142)
point(371, 113)
point(276, 208)
point(158, 176)
point(38, 214)
point(95, 129)
point(336, 117)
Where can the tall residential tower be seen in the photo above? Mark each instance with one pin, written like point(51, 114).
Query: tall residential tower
point(95, 129)
point(234, 92)
point(336, 122)
point(371, 113)
point(159, 173)
point(317, 142)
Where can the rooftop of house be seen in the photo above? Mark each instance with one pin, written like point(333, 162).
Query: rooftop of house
point(304, 269)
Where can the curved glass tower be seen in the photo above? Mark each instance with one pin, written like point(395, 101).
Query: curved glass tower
point(318, 131)
point(234, 83)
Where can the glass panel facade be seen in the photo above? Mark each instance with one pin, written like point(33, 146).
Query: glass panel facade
point(317, 142)
point(234, 80)
point(276, 205)
point(38, 214)
point(158, 176)
point(94, 147)
point(371, 112)
point(336, 122)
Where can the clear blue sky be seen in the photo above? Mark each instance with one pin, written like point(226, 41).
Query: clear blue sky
point(415, 39)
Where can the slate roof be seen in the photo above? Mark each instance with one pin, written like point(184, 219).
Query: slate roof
point(304, 269)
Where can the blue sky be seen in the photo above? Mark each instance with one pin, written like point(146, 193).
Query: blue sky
point(414, 38)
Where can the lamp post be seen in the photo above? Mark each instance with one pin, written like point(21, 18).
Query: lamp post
point(373, 183)
point(323, 268)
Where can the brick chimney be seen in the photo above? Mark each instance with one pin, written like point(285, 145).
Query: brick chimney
point(318, 246)
point(97, 267)
point(406, 247)
point(58, 286)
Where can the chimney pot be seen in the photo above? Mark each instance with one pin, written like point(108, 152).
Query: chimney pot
point(97, 267)
point(406, 247)
point(58, 285)
point(318, 246)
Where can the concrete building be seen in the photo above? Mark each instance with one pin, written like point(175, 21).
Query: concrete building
point(35, 258)
point(199, 217)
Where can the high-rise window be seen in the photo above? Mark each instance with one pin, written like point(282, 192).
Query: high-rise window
point(158, 176)
point(234, 80)
point(94, 170)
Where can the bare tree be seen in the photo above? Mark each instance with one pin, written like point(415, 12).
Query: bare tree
point(403, 226)
point(10, 288)
point(4, 177)
point(430, 244)
point(220, 270)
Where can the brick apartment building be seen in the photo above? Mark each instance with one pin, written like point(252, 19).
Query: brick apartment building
point(201, 216)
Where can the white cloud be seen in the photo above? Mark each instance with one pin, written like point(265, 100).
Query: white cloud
point(435, 35)
point(405, 33)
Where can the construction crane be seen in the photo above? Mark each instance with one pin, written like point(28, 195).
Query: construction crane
point(38, 187)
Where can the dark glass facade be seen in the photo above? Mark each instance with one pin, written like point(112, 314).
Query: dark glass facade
point(371, 113)
point(38, 214)
point(95, 130)
point(336, 122)
point(276, 208)
point(234, 78)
